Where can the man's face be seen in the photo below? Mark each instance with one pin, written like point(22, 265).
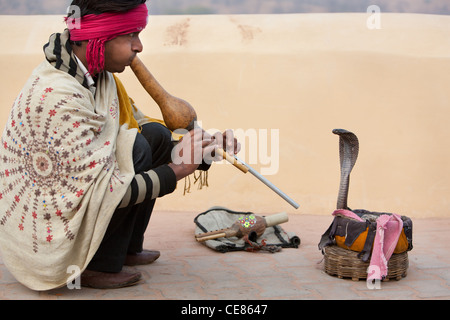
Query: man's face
point(120, 51)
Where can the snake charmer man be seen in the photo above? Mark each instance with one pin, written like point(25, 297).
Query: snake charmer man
point(81, 166)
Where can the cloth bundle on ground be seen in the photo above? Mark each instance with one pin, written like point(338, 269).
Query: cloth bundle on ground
point(216, 218)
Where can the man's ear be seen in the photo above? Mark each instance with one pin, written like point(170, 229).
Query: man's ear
point(80, 50)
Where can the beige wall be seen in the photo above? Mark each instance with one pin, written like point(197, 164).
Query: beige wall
point(303, 75)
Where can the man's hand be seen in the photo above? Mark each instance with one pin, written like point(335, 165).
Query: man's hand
point(197, 146)
point(188, 154)
point(227, 141)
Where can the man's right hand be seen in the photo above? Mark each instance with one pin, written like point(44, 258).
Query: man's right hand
point(188, 154)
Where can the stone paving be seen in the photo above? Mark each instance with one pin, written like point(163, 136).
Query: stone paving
point(187, 270)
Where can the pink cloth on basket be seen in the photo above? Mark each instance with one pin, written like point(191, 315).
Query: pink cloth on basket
point(347, 213)
point(389, 228)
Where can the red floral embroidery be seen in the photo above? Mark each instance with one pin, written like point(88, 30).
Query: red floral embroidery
point(52, 113)
point(92, 164)
point(48, 90)
point(76, 124)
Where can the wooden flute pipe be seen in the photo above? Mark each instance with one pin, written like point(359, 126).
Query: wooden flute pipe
point(234, 161)
point(249, 224)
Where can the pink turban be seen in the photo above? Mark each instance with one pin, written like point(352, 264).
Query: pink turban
point(104, 27)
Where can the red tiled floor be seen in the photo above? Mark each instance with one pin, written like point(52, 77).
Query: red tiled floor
point(189, 270)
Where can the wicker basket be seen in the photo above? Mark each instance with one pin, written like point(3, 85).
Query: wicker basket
point(346, 264)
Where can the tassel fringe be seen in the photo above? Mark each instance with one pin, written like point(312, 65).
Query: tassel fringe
point(200, 178)
point(95, 56)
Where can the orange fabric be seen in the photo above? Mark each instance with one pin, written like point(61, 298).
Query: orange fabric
point(125, 106)
point(402, 244)
point(358, 244)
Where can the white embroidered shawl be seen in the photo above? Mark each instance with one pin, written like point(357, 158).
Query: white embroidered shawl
point(65, 166)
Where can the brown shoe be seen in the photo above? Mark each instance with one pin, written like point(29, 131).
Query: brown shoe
point(144, 257)
point(106, 280)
